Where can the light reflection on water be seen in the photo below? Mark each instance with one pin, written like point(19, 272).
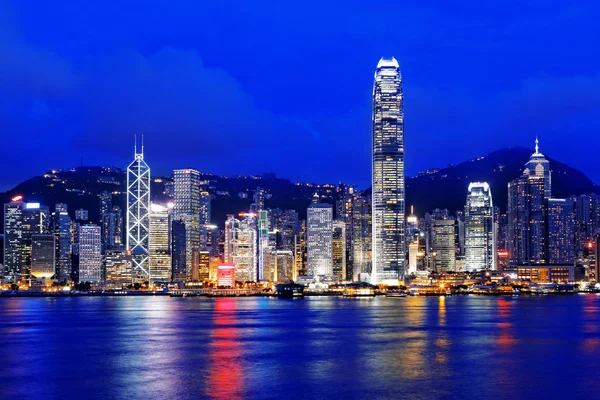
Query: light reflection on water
point(233, 348)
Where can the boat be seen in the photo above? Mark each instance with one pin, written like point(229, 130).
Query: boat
point(289, 290)
point(359, 292)
point(396, 293)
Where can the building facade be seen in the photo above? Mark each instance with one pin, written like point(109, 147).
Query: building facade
point(319, 223)
point(480, 232)
point(388, 174)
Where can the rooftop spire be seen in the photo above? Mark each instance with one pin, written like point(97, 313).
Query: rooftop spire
point(537, 144)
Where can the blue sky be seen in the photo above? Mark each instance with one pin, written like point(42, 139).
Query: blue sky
point(235, 87)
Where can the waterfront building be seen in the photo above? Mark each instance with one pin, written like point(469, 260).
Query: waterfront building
point(36, 220)
point(61, 229)
point(547, 273)
point(203, 265)
point(187, 209)
point(361, 238)
point(178, 250)
point(43, 255)
point(444, 245)
point(339, 251)
point(138, 212)
point(13, 221)
point(280, 265)
point(388, 174)
point(90, 255)
point(320, 240)
point(117, 265)
point(226, 275)
point(159, 249)
point(413, 251)
point(480, 232)
point(301, 254)
point(527, 212)
point(263, 242)
point(240, 247)
point(560, 228)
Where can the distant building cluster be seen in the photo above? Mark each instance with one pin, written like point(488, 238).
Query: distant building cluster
point(169, 238)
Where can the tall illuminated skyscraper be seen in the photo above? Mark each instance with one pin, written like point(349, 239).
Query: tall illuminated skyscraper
point(158, 244)
point(61, 228)
point(388, 174)
point(319, 239)
point(13, 235)
point(480, 233)
point(187, 209)
point(138, 211)
point(240, 247)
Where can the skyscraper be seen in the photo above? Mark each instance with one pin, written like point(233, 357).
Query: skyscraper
point(444, 244)
point(61, 229)
point(43, 253)
point(187, 209)
point(158, 244)
point(480, 233)
point(263, 242)
point(362, 229)
point(205, 208)
point(138, 210)
point(560, 229)
point(319, 223)
point(339, 250)
point(179, 253)
point(13, 220)
point(527, 211)
point(35, 221)
point(388, 174)
point(240, 247)
point(90, 256)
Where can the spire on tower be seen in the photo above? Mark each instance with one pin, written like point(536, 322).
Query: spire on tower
point(537, 144)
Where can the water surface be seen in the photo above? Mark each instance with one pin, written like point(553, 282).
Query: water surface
point(326, 347)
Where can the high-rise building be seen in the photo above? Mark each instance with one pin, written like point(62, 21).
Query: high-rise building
point(178, 249)
point(444, 245)
point(138, 211)
point(204, 265)
point(339, 250)
point(560, 227)
point(527, 212)
point(187, 209)
point(205, 208)
point(13, 234)
point(117, 264)
point(319, 223)
point(300, 251)
point(43, 255)
point(90, 255)
point(36, 220)
point(61, 229)
point(388, 174)
point(279, 265)
point(263, 242)
point(359, 213)
point(480, 232)
point(240, 247)
point(159, 244)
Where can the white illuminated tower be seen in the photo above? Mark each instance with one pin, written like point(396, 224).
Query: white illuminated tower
point(388, 174)
point(138, 212)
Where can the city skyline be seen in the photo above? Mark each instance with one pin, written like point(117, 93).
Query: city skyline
point(76, 98)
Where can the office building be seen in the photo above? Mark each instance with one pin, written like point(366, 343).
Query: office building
point(187, 209)
point(388, 174)
point(560, 228)
point(240, 247)
point(444, 245)
point(82, 215)
point(263, 242)
point(61, 229)
point(339, 251)
point(178, 249)
point(138, 211)
point(117, 264)
point(13, 221)
point(90, 255)
point(159, 244)
point(205, 208)
point(43, 255)
point(480, 232)
point(527, 212)
point(319, 223)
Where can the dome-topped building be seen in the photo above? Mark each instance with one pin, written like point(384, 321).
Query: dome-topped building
point(539, 166)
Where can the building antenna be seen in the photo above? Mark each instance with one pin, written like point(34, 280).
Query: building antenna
point(142, 144)
point(135, 143)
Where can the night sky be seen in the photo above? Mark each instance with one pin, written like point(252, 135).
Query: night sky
point(248, 87)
